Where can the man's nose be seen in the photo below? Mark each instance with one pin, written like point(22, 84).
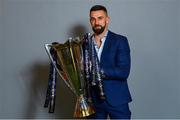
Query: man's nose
point(96, 22)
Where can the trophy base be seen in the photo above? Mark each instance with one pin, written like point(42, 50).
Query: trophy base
point(83, 108)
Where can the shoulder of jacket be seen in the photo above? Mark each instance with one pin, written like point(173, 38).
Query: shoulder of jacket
point(117, 35)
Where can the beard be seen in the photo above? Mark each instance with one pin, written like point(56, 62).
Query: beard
point(98, 29)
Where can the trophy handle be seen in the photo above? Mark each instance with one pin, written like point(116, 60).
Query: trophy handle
point(47, 47)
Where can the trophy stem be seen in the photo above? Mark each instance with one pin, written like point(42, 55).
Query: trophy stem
point(83, 108)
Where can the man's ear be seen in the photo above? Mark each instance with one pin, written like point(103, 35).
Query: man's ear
point(107, 19)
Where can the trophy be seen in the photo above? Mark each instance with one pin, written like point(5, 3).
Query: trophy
point(71, 63)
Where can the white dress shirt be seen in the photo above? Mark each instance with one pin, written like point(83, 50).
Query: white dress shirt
point(99, 49)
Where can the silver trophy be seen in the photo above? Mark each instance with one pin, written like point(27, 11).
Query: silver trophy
point(70, 65)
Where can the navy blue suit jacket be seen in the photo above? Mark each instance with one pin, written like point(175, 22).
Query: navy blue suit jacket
point(115, 61)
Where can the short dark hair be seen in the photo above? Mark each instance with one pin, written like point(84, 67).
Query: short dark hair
point(98, 7)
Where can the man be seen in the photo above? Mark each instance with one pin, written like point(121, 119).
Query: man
point(114, 59)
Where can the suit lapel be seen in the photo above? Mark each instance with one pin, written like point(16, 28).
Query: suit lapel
point(107, 45)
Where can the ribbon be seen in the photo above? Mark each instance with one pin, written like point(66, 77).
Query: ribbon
point(51, 90)
point(92, 65)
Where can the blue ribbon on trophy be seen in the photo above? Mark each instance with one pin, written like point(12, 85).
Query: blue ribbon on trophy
point(87, 65)
point(92, 65)
point(51, 90)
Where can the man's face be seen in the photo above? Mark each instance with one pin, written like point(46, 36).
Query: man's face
point(99, 21)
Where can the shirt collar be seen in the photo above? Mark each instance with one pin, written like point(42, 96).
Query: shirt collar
point(103, 38)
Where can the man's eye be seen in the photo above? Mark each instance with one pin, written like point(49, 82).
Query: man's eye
point(100, 18)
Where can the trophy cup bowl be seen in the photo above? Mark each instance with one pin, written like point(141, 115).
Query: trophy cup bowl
point(70, 68)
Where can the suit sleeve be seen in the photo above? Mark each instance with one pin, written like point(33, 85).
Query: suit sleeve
point(121, 68)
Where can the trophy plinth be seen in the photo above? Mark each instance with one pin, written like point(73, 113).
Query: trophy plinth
point(82, 109)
